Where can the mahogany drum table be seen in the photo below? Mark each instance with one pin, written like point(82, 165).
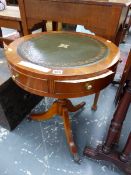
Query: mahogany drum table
point(62, 65)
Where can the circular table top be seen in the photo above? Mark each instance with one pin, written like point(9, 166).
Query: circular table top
point(62, 55)
point(62, 50)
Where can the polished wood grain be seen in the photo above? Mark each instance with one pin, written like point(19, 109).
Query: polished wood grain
point(50, 84)
point(70, 73)
point(72, 82)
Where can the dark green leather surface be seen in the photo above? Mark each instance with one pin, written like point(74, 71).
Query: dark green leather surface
point(62, 50)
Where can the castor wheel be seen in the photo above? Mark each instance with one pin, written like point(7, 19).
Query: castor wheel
point(76, 158)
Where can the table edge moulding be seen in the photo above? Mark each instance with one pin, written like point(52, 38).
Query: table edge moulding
point(62, 82)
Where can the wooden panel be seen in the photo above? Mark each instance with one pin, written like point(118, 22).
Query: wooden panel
point(58, 89)
point(29, 82)
point(69, 89)
point(94, 16)
point(10, 24)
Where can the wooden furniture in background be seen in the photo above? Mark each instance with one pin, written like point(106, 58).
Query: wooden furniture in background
point(106, 152)
point(58, 64)
point(10, 18)
point(105, 18)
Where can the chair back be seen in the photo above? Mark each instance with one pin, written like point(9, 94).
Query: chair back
point(100, 17)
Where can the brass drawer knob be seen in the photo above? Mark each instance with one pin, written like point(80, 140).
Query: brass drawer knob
point(88, 86)
point(15, 76)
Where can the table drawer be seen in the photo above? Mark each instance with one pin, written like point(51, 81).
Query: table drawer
point(29, 83)
point(85, 87)
point(61, 89)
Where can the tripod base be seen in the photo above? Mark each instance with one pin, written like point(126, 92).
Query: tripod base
point(62, 107)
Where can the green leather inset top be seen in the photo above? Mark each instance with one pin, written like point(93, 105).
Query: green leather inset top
point(62, 50)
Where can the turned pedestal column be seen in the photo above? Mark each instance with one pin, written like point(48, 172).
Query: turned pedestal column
point(107, 151)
